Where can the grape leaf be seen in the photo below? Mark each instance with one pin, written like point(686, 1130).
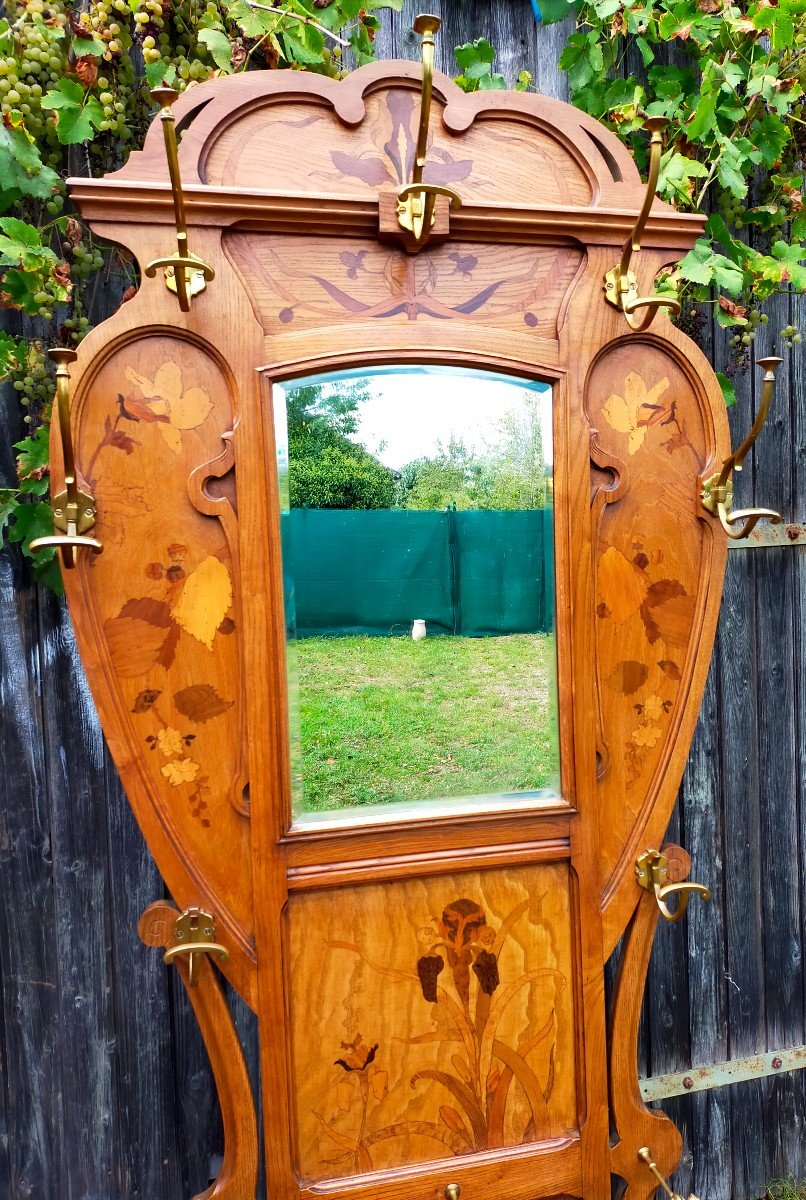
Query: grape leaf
point(22, 172)
point(21, 245)
point(78, 117)
point(219, 46)
point(728, 390)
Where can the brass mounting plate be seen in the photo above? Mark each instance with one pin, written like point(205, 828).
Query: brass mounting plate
point(196, 281)
point(85, 514)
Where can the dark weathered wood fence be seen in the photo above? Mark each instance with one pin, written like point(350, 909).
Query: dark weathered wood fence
point(105, 1092)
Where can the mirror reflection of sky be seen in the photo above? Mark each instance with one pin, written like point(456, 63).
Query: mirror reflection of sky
point(412, 414)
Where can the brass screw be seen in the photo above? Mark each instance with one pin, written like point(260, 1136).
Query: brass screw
point(452, 1191)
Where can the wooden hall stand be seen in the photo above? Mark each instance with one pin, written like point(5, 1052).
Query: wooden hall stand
point(293, 190)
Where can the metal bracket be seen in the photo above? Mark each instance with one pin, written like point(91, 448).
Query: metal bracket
point(194, 933)
point(652, 874)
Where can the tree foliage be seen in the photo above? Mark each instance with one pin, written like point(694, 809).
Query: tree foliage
point(735, 143)
point(74, 81)
point(76, 78)
point(509, 474)
point(326, 468)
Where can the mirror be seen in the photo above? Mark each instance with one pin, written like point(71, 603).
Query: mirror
point(417, 535)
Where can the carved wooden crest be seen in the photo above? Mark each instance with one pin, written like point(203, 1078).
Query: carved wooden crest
point(430, 992)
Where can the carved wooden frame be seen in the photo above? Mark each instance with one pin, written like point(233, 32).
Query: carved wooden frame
point(639, 421)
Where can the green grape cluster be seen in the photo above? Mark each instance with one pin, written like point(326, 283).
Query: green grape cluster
point(790, 336)
point(38, 63)
point(33, 382)
point(747, 335)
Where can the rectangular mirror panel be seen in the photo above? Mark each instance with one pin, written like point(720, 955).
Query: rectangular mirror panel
point(417, 531)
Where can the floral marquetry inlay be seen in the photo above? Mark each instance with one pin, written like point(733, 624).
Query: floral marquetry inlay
point(443, 1020)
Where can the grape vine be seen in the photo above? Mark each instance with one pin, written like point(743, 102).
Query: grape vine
point(74, 98)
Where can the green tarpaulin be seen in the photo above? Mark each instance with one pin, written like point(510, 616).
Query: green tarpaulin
point(479, 573)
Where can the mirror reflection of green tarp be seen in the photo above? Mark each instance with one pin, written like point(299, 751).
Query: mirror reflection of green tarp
point(474, 573)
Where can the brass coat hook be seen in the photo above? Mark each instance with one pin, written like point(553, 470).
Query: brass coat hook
point(194, 933)
point(415, 201)
point(717, 491)
point(645, 1155)
point(651, 872)
point(621, 283)
point(185, 273)
point(73, 510)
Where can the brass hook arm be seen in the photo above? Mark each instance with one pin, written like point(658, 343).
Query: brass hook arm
point(73, 509)
point(655, 125)
point(651, 873)
point(717, 492)
point(645, 1156)
point(185, 274)
point(652, 303)
point(427, 25)
point(416, 200)
point(621, 284)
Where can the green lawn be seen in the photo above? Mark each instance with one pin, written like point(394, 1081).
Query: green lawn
point(390, 719)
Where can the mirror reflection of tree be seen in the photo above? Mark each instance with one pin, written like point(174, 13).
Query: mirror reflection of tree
point(330, 468)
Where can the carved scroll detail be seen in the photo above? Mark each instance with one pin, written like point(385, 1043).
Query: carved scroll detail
point(238, 1177)
point(224, 507)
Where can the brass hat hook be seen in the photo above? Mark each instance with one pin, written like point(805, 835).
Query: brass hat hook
point(621, 283)
point(185, 273)
point(645, 1155)
point(415, 207)
point(651, 873)
point(73, 510)
point(717, 492)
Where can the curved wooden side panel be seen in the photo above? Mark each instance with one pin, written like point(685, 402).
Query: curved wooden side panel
point(237, 1179)
point(657, 424)
point(157, 614)
point(635, 1124)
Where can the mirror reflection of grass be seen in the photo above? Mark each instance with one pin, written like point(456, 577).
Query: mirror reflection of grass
point(391, 719)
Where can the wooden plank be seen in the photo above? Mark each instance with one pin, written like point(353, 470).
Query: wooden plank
point(778, 776)
point(797, 411)
point(30, 980)
point(705, 935)
point(737, 678)
point(199, 1130)
point(75, 783)
point(30, 1028)
point(145, 1093)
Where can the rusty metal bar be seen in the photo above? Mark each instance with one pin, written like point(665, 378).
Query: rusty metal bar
point(766, 536)
point(737, 1070)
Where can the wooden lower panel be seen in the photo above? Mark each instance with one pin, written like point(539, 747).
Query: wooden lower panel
point(431, 1019)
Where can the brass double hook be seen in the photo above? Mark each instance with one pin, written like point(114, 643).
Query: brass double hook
point(185, 273)
point(652, 874)
point(645, 1155)
point(717, 491)
point(73, 509)
point(621, 283)
point(194, 934)
point(416, 201)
